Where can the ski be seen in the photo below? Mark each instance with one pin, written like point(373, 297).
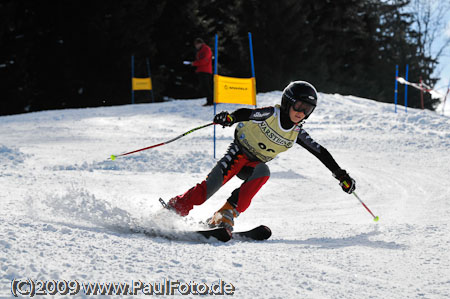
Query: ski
point(259, 233)
point(220, 233)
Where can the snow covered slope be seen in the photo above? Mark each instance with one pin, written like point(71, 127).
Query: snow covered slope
point(66, 211)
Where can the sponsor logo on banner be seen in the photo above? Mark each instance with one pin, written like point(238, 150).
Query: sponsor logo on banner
point(235, 87)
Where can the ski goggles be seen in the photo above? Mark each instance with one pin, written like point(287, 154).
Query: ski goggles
point(304, 107)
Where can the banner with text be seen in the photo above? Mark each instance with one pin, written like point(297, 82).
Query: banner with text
point(234, 90)
point(142, 84)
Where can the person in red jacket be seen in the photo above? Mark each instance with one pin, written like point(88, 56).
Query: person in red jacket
point(203, 63)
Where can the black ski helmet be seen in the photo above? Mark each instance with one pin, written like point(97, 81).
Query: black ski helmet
point(298, 91)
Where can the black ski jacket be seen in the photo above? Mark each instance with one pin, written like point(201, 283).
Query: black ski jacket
point(303, 139)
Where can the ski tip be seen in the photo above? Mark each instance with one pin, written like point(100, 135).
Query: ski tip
point(259, 233)
point(113, 157)
point(163, 203)
point(268, 233)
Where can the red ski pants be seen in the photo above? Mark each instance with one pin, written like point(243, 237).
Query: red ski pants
point(254, 173)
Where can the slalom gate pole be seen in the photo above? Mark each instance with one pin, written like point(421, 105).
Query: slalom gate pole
point(445, 98)
point(150, 76)
point(406, 89)
point(375, 218)
point(113, 157)
point(216, 58)
point(132, 76)
point(396, 87)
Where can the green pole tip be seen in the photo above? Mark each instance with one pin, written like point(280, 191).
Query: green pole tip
point(113, 157)
point(376, 219)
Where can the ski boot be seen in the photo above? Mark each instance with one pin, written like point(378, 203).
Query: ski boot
point(224, 217)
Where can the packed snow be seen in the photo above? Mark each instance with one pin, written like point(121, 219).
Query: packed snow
point(67, 212)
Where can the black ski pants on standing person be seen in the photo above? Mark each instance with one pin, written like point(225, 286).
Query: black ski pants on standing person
point(206, 86)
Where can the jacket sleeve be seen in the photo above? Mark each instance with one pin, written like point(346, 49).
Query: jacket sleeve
point(246, 114)
point(317, 150)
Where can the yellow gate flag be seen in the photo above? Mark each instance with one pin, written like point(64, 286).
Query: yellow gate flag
point(234, 90)
point(142, 83)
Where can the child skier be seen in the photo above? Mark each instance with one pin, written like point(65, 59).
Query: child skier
point(261, 134)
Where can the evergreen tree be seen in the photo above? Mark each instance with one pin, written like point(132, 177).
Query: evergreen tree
point(59, 55)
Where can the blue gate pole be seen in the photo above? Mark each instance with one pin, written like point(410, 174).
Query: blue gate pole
point(396, 87)
point(251, 53)
point(406, 89)
point(215, 56)
point(150, 76)
point(251, 56)
point(132, 76)
point(215, 73)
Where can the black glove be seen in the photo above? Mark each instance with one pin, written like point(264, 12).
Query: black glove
point(224, 118)
point(345, 181)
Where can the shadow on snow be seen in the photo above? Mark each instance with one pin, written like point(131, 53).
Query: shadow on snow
point(362, 239)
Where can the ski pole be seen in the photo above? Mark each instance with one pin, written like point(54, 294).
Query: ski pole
point(375, 218)
point(113, 157)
